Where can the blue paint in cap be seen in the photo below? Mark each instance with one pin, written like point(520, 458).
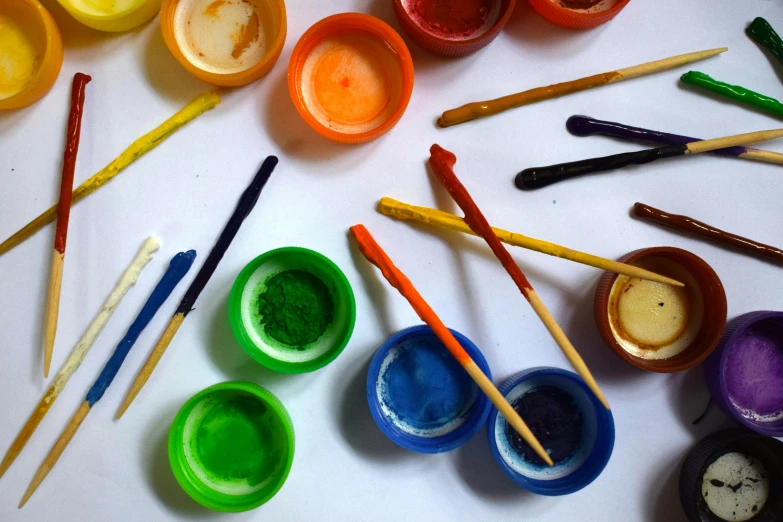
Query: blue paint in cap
point(589, 457)
point(420, 396)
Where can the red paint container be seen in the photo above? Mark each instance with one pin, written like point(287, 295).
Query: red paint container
point(577, 14)
point(453, 28)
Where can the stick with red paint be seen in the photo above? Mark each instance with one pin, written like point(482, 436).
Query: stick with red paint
point(442, 162)
point(80, 81)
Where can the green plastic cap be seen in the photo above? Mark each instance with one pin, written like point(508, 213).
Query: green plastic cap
point(231, 446)
point(246, 319)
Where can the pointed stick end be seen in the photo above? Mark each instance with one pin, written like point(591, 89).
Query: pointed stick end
point(122, 410)
point(26, 497)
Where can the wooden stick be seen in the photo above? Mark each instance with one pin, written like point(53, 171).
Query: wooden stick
point(80, 81)
point(442, 162)
point(246, 203)
point(177, 269)
point(375, 255)
point(57, 450)
point(715, 235)
point(128, 279)
point(392, 207)
point(475, 110)
point(136, 150)
point(586, 126)
point(538, 177)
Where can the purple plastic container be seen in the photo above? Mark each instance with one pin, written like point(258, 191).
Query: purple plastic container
point(745, 373)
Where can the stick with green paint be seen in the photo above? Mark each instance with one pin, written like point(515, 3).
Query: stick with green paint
point(763, 34)
point(733, 92)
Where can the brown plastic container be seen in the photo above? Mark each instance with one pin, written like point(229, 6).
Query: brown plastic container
point(437, 44)
point(714, 306)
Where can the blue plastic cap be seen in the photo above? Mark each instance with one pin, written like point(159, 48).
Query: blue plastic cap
point(465, 426)
point(577, 471)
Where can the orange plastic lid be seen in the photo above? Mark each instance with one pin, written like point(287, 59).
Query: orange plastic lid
point(578, 14)
point(225, 42)
point(660, 327)
point(31, 53)
point(351, 77)
point(454, 28)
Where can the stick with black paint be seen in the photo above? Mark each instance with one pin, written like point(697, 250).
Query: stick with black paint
point(246, 203)
point(587, 126)
point(177, 269)
point(538, 177)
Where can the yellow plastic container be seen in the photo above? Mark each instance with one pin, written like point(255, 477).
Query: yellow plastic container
point(113, 16)
point(31, 52)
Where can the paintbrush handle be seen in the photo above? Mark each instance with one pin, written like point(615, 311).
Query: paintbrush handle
point(538, 177)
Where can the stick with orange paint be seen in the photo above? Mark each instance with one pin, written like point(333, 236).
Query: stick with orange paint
point(63, 213)
point(442, 162)
point(375, 255)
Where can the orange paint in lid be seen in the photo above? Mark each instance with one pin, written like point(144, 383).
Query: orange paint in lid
point(225, 42)
point(351, 77)
point(578, 14)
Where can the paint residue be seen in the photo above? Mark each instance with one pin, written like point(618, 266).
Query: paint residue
point(733, 92)
point(237, 440)
point(454, 19)
point(554, 419)
point(754, 371)
point(247, 34)
point(586, 6)
point(19, 56)
point(212, 9)
point(653, 320)
point(423, 389)
point(295, 308)
point(735, 487)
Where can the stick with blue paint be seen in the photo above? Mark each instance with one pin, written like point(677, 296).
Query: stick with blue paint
point(178, 267)
point(246, 203)
point(587, 126)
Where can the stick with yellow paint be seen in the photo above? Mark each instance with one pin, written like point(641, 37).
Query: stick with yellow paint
point(136, 150)
point(397, 209)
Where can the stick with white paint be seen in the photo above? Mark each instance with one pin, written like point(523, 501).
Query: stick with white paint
point(128, 279)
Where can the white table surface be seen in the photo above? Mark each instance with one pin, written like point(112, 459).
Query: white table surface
point(183, 191)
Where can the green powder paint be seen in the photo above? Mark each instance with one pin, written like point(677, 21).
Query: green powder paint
point(763, 34)
point(236, 441)
point(733, 92)
point(296, 308)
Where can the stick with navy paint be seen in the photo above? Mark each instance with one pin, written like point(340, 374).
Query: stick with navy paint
point(80, 81)
point(178, 267)
point(587, 126)
point(245, 205)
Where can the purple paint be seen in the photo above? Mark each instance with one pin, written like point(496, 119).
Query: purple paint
point(586, 126)
point(745, 372)
point(753, 370)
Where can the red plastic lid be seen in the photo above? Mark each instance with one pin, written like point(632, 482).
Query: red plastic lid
point(588, 17)
point(455, 28)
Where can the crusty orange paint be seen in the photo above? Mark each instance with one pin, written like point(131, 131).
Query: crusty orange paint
point(212, 9)
point(247, 35)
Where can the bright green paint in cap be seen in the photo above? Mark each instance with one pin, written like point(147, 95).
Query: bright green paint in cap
point(246, 305)
point(231, 446)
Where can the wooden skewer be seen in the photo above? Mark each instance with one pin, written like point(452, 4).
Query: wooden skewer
point(128, 279)
point(246, 203)
point(375, 255)
point(80, 81)
point(475, 110)
point(136, 150)
point(177, 269)
point(442, 162)
point(392, 207)
point(586, 126)
point(538, 177)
